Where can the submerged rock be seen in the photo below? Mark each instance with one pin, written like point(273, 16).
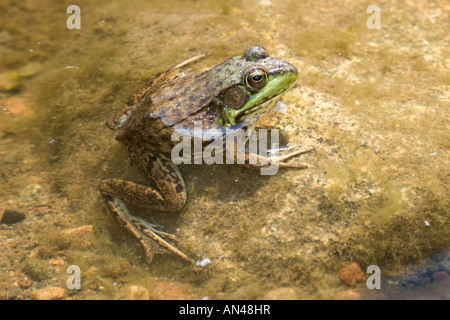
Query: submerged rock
point(167, 291)
point(10, 80)
point(49, 293)
point(80, 238)
point(11, 217)
point(351, 274)
point(37, 269)
point(281, 294)
point(134, 293)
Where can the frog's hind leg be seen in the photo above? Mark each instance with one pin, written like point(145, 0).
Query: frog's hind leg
point(116, 191)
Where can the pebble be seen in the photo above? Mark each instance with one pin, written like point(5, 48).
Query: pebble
point(351, 274)
point(203, 263)
point(29, 70)
point(167, 291)
point(17, 106)
point(412, 280)
point(11, 216)
point(440, 276)
point(134, 293)
point(281, 294)
point(80, 238)
point(44, 252)
point(36, 269)
point(49, 293)
point(10, 80)
point(56, 262)
point(116, 268)
point(348, 295)
point(445, 265)
point(26, 283)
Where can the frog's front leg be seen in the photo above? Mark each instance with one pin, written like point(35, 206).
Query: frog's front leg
point(170, 197)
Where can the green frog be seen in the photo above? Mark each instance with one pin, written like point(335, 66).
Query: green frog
point(234, 94)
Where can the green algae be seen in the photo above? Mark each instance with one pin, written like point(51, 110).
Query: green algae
point(37, 269)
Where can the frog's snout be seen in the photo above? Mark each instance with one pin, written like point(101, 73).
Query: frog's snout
point(284, 68)
point(291, 69)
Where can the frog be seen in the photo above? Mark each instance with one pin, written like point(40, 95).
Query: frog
point(234, 94)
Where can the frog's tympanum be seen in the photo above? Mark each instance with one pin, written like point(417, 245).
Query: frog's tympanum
point(237, 92)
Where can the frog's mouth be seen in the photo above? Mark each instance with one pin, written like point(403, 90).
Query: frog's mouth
point(257, 111)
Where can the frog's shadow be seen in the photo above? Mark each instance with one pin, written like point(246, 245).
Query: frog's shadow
point(229, 181)
point(217, 184)
point(222, 182)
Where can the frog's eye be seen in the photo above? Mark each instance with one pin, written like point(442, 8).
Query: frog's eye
point(256, 79)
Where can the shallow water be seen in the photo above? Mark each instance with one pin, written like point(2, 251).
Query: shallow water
point(372, 102)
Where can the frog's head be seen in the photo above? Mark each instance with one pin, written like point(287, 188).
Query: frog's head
point(256, 82)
